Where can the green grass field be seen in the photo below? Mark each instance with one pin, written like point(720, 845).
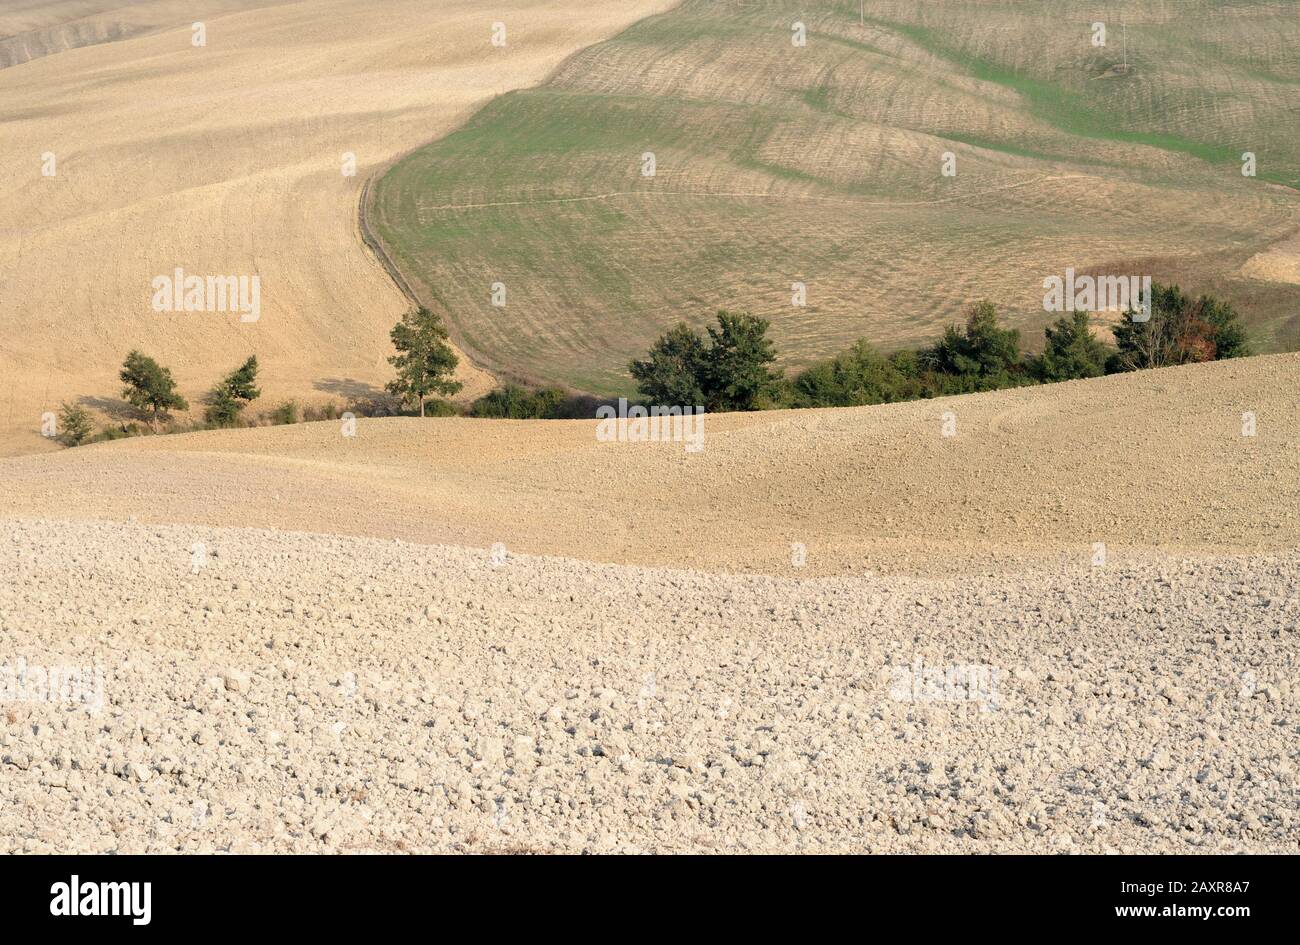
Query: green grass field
point(821, 164)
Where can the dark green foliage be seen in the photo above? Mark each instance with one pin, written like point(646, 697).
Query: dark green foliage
point(983, 357)
point(672, 372)
point(729, 373)
point(858, 377)
point(425, 363)
point(74, 424)
point(1071, 351)
point(232, 394)
point(1181, 330)
point(736, 372)
point(513, 402)
point(437, 407)
point(150, 387)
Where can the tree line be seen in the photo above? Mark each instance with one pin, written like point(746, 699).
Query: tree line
point(730, 367)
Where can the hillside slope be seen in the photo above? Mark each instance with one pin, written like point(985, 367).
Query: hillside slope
point(227, 160)
point(824, 164)
point(1154, 460)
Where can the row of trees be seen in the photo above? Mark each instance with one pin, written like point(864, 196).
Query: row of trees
point(425, 363)
point(151, 390)
point(731, 368)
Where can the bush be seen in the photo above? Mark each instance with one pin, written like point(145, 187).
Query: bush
point(74, 424)
point(513, 402)
point(983, 357)
point(1180, 331)
point(284, 414)
point(1071, 351)
point(730, 373)
point(437, 407)
point(234, 392)
point(121, 431)
point(858, 377)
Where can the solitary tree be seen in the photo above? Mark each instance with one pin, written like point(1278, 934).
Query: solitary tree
point(232, 394)
point(425, 362)
point(74, 422)
point(150, 387)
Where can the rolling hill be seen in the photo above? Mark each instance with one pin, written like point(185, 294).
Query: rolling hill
point(823, 164)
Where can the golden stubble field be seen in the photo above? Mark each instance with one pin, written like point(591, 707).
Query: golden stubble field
point(227, 159)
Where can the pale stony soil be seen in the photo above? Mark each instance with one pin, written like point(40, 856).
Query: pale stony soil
point(311, 693)
point(227, 159)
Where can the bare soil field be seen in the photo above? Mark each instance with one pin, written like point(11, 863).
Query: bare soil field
point(954, 668)
point(1056, 619)
point(312, 694)
point(227, 159)
point(1153, 460)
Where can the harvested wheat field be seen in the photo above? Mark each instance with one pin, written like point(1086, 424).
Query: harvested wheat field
point(953, 669)
point(227, 159)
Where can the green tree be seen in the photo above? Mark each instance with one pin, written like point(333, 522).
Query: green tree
point(855, 378)
point(74, 424)
point(425, 363)
point(736, 375)
point(150, 387)
point(983, 357)
point(672, 373)
point(1071, 351)
point(1230, 339)
point(232, 394)
point(1180, 330)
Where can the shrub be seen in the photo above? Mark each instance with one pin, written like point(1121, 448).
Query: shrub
point(855, 378)
point(284, 414)
point(121, 431)
point(1071, 351)
point(1180, 330)
point(513, 402)
point(74, 424)
point(233, 393)
point(983, 357)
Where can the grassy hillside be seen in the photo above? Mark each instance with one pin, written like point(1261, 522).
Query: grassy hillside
point(822, 164)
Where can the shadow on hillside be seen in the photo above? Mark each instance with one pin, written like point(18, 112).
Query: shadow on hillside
point(360, 397)
point(349, 388)
point(111, 407)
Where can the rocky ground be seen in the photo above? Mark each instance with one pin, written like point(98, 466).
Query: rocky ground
point(291, 692)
